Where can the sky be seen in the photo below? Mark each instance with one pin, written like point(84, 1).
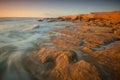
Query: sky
point(55, 8)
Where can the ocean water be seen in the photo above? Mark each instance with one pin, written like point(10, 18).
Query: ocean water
point(17, 36)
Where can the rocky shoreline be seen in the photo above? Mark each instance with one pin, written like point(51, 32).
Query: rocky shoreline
point(73, 52)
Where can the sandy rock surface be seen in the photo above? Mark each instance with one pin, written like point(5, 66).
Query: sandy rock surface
point(89, 50)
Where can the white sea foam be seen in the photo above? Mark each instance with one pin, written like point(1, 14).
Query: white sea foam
point(17, 36)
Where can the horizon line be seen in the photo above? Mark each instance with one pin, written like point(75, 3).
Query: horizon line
point(55, 17)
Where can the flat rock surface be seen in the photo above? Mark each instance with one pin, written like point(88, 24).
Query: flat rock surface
point(87, 51)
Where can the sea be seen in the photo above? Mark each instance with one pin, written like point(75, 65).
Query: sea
point(17, 37)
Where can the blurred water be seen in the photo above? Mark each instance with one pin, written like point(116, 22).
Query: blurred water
point(17, 36)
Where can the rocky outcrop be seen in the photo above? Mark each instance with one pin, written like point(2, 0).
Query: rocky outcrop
point(110, 58)
point(51, 64)
point(113, 17)
point(50, 20)
point(78, 71)
point(76, 54)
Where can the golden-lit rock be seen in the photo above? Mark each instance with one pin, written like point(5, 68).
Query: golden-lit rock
point(95, 41)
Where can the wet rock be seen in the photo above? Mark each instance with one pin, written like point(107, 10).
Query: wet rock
point(41, 20)
point(53, 20)
point(37, 27)
point(110, 59)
